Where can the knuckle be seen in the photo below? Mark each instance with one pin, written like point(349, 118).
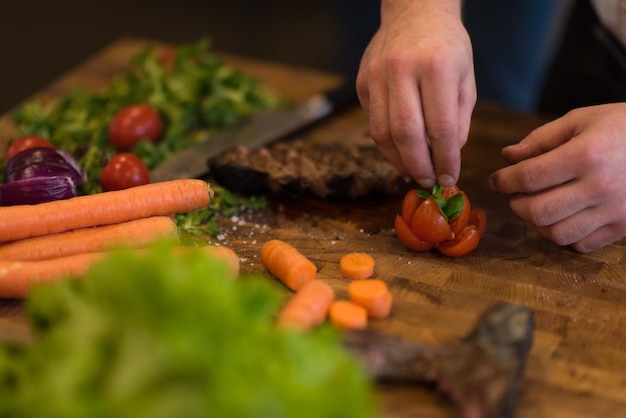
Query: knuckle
point(560, 236)
point(534, 216)
point(380, 136)
point(537, 214)
point(404, 127)
point(526, 179)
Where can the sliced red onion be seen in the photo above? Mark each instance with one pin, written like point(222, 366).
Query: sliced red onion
point(34, 190)
point(43, 162)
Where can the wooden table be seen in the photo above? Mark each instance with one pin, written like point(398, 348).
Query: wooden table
point(577, 366)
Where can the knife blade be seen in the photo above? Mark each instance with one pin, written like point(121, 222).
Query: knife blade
point(260, 129)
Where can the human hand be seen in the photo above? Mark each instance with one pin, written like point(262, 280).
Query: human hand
point(568, 177)
point(416, 84)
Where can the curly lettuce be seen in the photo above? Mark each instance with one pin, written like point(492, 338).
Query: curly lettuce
point(170, 336)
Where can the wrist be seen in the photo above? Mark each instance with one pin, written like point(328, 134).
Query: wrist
point(390, 9)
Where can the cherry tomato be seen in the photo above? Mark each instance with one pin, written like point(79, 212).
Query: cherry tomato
point(410, 203)
point(421, 225)
point(478, 218)
point(429, 224)
point(124, 170)
point(25, 142)
point(167, 58)
point(462, 244)
point(408, 238)
point(450, 191)
point(134, 123)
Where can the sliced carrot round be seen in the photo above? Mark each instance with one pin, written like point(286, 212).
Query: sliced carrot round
point(357, 266)
point(347, 315)
point(373, 295)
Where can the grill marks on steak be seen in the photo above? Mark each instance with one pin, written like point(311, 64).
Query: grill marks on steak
point(350, 169)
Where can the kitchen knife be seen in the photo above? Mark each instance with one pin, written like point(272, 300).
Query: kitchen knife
point(259, 129)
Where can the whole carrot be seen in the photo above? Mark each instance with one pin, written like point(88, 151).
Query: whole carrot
point(287, 263)
point(135, 233)
point(225, 253)
point(308, 307)
point(164, 198)
point(17, 277)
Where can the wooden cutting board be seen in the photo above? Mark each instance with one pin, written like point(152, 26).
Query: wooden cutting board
point(577, 366)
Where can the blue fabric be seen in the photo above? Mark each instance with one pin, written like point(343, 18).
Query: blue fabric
point(514, 44)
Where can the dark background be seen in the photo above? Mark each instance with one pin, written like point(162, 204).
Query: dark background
point(40, 40)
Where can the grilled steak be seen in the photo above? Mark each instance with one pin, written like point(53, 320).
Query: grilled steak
point(350, 169)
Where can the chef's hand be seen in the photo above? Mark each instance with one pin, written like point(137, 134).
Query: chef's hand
point(568, 177)
point(416, 84)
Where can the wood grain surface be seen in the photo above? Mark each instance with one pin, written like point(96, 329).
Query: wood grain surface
point(577, 366)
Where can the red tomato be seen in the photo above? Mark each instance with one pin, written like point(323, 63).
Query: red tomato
point(167, 58)
point(478, 218)
point(25, 142)
point(408, 238)
point(134, 123)
point(450, 191)
point(421, 225)
point(462, 244)
point(429, 224)
point(122, 171)
point(410, 203)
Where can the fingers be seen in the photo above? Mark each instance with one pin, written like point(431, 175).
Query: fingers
point(586, 231)
point(446, 126)
point(407, 129)
point(541, 140)
point(548, 207)
point(574, 214)
point(600, 238)
point(543, 171)
point(424, 141)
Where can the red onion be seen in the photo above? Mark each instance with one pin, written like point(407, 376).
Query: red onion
point(43, 162)
point(34, 190)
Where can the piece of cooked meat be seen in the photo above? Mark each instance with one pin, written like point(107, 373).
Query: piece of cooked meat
point(348, 169)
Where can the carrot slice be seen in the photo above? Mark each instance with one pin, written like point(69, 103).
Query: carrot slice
point(135, 233)
point(17, 277)
point(347, 315)
point(357, 266)
point(308, 307)
point(287, 264)
point(164, 198)
point(373, 295)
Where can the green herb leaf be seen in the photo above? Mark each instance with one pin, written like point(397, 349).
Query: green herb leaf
point(454, 206)
point(451, 207)
point(198, 94)
point(223, 204)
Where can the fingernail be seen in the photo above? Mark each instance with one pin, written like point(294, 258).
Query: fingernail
point(446, 180)
point(426, 182)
